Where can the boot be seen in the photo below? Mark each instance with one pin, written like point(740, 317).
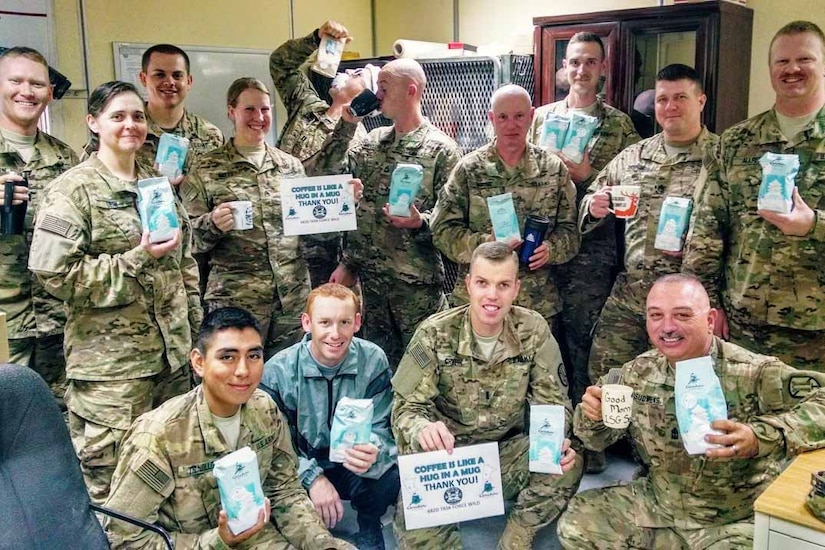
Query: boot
point(369, 539)
point(516, 537)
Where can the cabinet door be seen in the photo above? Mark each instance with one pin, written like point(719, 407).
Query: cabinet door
point(652, 45)
point(554, 42)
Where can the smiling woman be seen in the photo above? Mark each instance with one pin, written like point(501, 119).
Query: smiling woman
point(256, 267)
point(124, 353)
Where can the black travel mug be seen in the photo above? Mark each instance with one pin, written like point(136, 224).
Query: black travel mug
point(535, 228)
point(13, 217)
point(364, 103)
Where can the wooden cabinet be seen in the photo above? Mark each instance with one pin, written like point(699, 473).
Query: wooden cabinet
point(714, 37)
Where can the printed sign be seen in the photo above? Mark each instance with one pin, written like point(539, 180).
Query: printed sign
point(323, 204)
point(439, 488)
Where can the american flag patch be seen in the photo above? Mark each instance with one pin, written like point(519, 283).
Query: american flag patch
point(152, 475)
point(53, 224)
point(420, 355)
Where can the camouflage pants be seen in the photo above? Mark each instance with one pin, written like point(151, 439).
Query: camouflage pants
point(605, 519)
point(584, 288)
point(320, 253)
point(802, 349)
point(393, 312)
point(620, 336)
point(100, 412)
point(540, 498)
point(45, 357)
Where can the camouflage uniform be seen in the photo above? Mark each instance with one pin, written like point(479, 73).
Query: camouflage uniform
point(540, 186)
point(130, 316)
point(400, 269)
point(585, 281)
point(258, 269)
point(34, 318)
point(307, 128)
point(692, 501)
point(620, 334)
point(771, 285)
point(165, 477)
point(443, 377)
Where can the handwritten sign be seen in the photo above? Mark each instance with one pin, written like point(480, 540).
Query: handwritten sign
point(323, 204)
point(439, 488)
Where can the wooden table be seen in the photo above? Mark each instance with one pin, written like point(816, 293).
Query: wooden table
point(782, 520)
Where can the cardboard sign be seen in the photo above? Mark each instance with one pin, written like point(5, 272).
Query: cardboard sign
point(439, 488)
point(323, 204)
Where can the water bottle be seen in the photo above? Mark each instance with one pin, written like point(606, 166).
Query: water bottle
point(13, 218)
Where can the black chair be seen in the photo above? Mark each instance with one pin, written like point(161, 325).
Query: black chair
point(43, 500)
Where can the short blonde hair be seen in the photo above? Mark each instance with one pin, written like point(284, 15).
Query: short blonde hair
point(332, 290)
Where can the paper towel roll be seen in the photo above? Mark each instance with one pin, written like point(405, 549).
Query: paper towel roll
point(422, 50)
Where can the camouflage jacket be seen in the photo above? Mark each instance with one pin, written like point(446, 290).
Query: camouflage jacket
point(443, 377)
point(30, 311)
point(254, 266)
point(308, 399)
point(164, 476)
point(378, 248)
point(307, 125)
point(203, 136)
point(540, 185)
point(614, 134)
point(647, 164)
point(777, 279)
point(129, 314)
point(785, 408)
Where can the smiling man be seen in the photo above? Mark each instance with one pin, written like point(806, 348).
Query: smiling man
point(34, 318)
point(468, 376)
point(164, 474)
point(663, 166)
point(307, 381)
point(540, 185)
point(704, 501)
point(764, 268)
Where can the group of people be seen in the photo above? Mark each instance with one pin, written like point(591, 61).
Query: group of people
point(108, 318)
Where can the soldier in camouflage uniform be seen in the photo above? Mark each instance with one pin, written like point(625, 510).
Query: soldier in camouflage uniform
point(131, 304)
point(34, 318)
point(584, 282)
point(400, 269)
point(665, 165)
point(259, 269)
point(310, 121)
point(765, 268)
point(701, 501)
point(164, 475)
point(467, 377)
point(540, 186)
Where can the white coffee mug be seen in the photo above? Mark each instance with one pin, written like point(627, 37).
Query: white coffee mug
point(241, 214)
point(617, 404)
point(624, 200)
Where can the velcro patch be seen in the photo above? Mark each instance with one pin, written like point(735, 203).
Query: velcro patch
point(55, 225)
point(153, 476)
point(421, 355)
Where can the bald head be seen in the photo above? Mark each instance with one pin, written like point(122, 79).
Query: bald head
point(511, 92)
point(407, 68)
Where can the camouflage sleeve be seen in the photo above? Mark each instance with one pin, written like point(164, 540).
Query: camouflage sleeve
point(142, 483)
point(285, 63)
point(564, 239)
point(336, 155)
point(415, 386)
point(534, 134)
point(792, 409)
point(705, 246)
point(594, 434)
point(191, 276)
point(548, 384)
point(292, 511)
point(59, 258)
point(445, 162)
point(199, 206)
point(449, 222)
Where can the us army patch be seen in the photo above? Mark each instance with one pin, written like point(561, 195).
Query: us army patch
point(421, 355)
point(801, 386)
point(55, 225)
point(153, 476)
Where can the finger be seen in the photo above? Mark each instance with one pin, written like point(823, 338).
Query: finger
point(326, 517)
point(339, 511)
